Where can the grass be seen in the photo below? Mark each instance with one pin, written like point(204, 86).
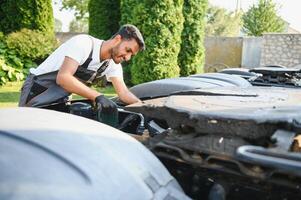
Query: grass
point(10, 94)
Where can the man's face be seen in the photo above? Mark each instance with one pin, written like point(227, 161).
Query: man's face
point(124, 50)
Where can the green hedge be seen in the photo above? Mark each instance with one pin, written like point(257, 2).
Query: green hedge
point(28, 28)
point(192, 55)
point(31, 44)
point(9, 73)
point(104, 17)
point(127, 8)
point(31, 14)
point(19, 50)
point(161, 23)
point(12, 67)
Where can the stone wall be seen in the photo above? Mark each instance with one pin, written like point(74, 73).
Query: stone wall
point(281, 49)
point(251, 52)
point(222, 52)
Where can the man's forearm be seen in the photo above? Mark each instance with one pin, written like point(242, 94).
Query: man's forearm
point(129, 98)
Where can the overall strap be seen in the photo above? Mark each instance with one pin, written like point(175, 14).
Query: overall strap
point(89, 59)
point(86, 75)
point(97, 74)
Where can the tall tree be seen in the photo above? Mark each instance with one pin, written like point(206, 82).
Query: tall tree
point(192, 54)
point(31, 14)
point(221, 22)
point(80, 25)
point(104, 17)
point(79, 6)
point(262, 18)
point(161, 23)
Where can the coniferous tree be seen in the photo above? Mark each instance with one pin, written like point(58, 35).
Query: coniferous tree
point(220, 22)
point(104, 17)
point(192, 55)
point(30, 14)
point(161, 23)
point(262, 18)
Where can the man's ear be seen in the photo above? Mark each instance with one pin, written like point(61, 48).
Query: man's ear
point(117, 38)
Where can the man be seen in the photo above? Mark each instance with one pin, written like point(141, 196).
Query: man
point(77, 63)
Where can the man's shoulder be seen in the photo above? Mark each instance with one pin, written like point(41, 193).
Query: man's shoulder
point(80, 38)
point(85, 40)
point(80, 41)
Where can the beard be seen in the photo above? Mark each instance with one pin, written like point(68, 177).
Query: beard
point(115, 56)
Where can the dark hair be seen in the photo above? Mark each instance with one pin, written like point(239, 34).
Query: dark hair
point(129, 32)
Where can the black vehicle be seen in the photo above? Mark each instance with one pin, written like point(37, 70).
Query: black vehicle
point(272, 75)
point(222, 136)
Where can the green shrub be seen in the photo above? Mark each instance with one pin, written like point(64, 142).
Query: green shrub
point(2, 37)
point(192, 55)
point(12, 66)
point(161, 23)
point(31, 14)
point(221, 22)
point(8, 73)
point(104, 17)
point(126, 10)
point(31, 44)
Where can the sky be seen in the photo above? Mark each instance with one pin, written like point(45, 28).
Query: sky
point(289, 10)
point(64, 16)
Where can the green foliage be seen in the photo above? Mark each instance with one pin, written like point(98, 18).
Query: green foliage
point(12, 66)
point(126, 9)
point(31, 14)
point(31, 44)
point(28, 36)
point(262, 18)
point(220, 22)
point(79, 6)
point(8, 73)
point(104, 17)
point(2, 37)
point(192, 54)
point(161, 23)
point(79, 25)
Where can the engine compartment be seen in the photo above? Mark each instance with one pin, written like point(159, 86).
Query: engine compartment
point(216, 134)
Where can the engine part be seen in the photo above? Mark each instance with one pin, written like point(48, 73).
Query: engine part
point(82, 109)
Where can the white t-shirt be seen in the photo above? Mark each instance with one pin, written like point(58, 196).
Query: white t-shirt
point(78, 48)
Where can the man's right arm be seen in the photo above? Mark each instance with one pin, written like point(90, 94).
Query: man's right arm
point(66, 80)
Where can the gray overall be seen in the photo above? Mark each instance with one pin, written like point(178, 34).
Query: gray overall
point(41, 90)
